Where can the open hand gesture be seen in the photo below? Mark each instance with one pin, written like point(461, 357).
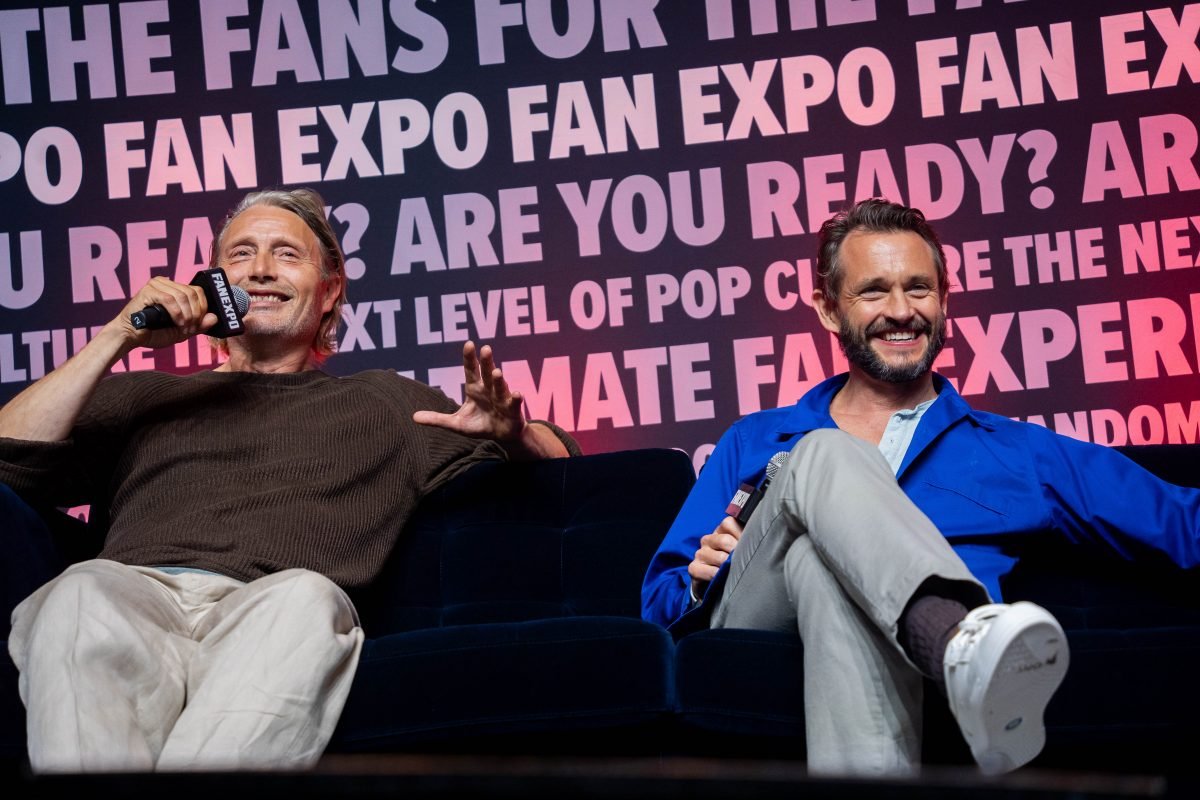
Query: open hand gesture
point(491, 410)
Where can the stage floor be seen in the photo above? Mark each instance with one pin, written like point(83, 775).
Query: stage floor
point(415, 777)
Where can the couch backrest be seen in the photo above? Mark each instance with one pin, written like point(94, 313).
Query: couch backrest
point(1092, 587)
point(1176, 463)
point(518, 541)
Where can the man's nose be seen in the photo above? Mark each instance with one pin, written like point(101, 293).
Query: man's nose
point(899, 307)
point(261, 266)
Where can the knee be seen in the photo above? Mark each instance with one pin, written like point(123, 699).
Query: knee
point(827, 447)
point(86, 585)
point(823, 442)
point(50, 621)
point(308, 584)
point(305, 594)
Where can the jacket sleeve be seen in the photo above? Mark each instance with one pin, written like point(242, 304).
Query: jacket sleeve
point(665, 589)
point(1098, 495)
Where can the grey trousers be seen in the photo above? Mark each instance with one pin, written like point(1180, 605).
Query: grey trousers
point(134, 669)
point(836, 550)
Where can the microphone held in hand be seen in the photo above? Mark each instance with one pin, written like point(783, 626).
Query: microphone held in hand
point(229, 303)
point(748, 497)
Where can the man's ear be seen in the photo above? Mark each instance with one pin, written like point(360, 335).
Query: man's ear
point(333, 288)
point(827, 311)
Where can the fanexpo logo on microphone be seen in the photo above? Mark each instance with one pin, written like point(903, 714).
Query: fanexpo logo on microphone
point(227, 306)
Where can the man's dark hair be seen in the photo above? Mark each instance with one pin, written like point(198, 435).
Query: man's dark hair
point(874, 216)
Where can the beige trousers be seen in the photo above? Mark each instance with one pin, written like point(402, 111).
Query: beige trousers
point(836, 550)
point(134, 669)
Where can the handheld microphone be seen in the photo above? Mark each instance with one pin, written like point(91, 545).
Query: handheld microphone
point(229, 303)
point(748, 497)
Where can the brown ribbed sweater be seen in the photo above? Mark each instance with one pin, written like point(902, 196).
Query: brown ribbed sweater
point(246, 474)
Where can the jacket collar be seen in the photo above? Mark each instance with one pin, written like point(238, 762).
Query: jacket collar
point(812, 412)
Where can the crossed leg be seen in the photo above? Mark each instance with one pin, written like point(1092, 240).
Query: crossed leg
point(836, 550)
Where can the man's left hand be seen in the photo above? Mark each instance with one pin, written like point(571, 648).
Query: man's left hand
point(491, 410)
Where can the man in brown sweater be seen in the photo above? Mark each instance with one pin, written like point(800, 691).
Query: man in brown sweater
point(214, 630)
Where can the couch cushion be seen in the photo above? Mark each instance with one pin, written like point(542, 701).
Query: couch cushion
point(1128, 685)
point(1122, 694)
point(742, 681)
point(562, 675)
point(507, 542)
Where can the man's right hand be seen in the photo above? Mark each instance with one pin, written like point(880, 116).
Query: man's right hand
point(715, 547)
point(46, 410)
point(186, 304)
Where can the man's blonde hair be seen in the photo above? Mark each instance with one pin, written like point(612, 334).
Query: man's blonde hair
point(309, 207)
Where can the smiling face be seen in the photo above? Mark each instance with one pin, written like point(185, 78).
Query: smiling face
point(276, 258)
point(890, 312)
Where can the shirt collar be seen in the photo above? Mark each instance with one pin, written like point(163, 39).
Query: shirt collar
point(812, 412)
point(948, 410)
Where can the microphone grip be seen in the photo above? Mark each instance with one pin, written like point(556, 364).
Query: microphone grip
point(738, 502)
point(152, 317)
point(743, 515)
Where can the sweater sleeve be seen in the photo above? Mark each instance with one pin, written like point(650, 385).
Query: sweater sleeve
point(71, 472)
point(441, 454)
point(409, 395)
point(573, 448)
point(38, 471)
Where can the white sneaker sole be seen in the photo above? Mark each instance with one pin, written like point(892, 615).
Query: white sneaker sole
point(1026, 656)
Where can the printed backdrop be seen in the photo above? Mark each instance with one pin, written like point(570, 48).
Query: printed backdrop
point(621, 195)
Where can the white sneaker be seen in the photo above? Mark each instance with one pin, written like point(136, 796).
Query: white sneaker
point(1001, 669)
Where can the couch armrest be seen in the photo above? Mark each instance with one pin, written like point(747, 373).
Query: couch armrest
point(35, 545)
point(531, 540)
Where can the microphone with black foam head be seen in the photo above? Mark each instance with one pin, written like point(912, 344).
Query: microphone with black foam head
point(229, 303)
point(748, 497)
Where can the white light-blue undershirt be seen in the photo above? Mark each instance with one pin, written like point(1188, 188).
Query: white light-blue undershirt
point(899, 433)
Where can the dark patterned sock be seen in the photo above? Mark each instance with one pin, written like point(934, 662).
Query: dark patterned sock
point(925, 629)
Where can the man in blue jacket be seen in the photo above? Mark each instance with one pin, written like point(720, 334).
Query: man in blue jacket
point(880, 538)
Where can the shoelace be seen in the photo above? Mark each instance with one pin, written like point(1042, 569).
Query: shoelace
point(969, 631)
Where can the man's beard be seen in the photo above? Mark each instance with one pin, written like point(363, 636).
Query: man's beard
point(857, 347)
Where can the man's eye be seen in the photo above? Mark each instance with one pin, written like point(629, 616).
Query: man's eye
point(287, 255)
point(239, 253)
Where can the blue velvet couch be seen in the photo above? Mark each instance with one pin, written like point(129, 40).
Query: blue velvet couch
point(507, 622)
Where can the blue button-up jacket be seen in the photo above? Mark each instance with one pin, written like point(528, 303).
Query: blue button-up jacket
point(983, 479)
